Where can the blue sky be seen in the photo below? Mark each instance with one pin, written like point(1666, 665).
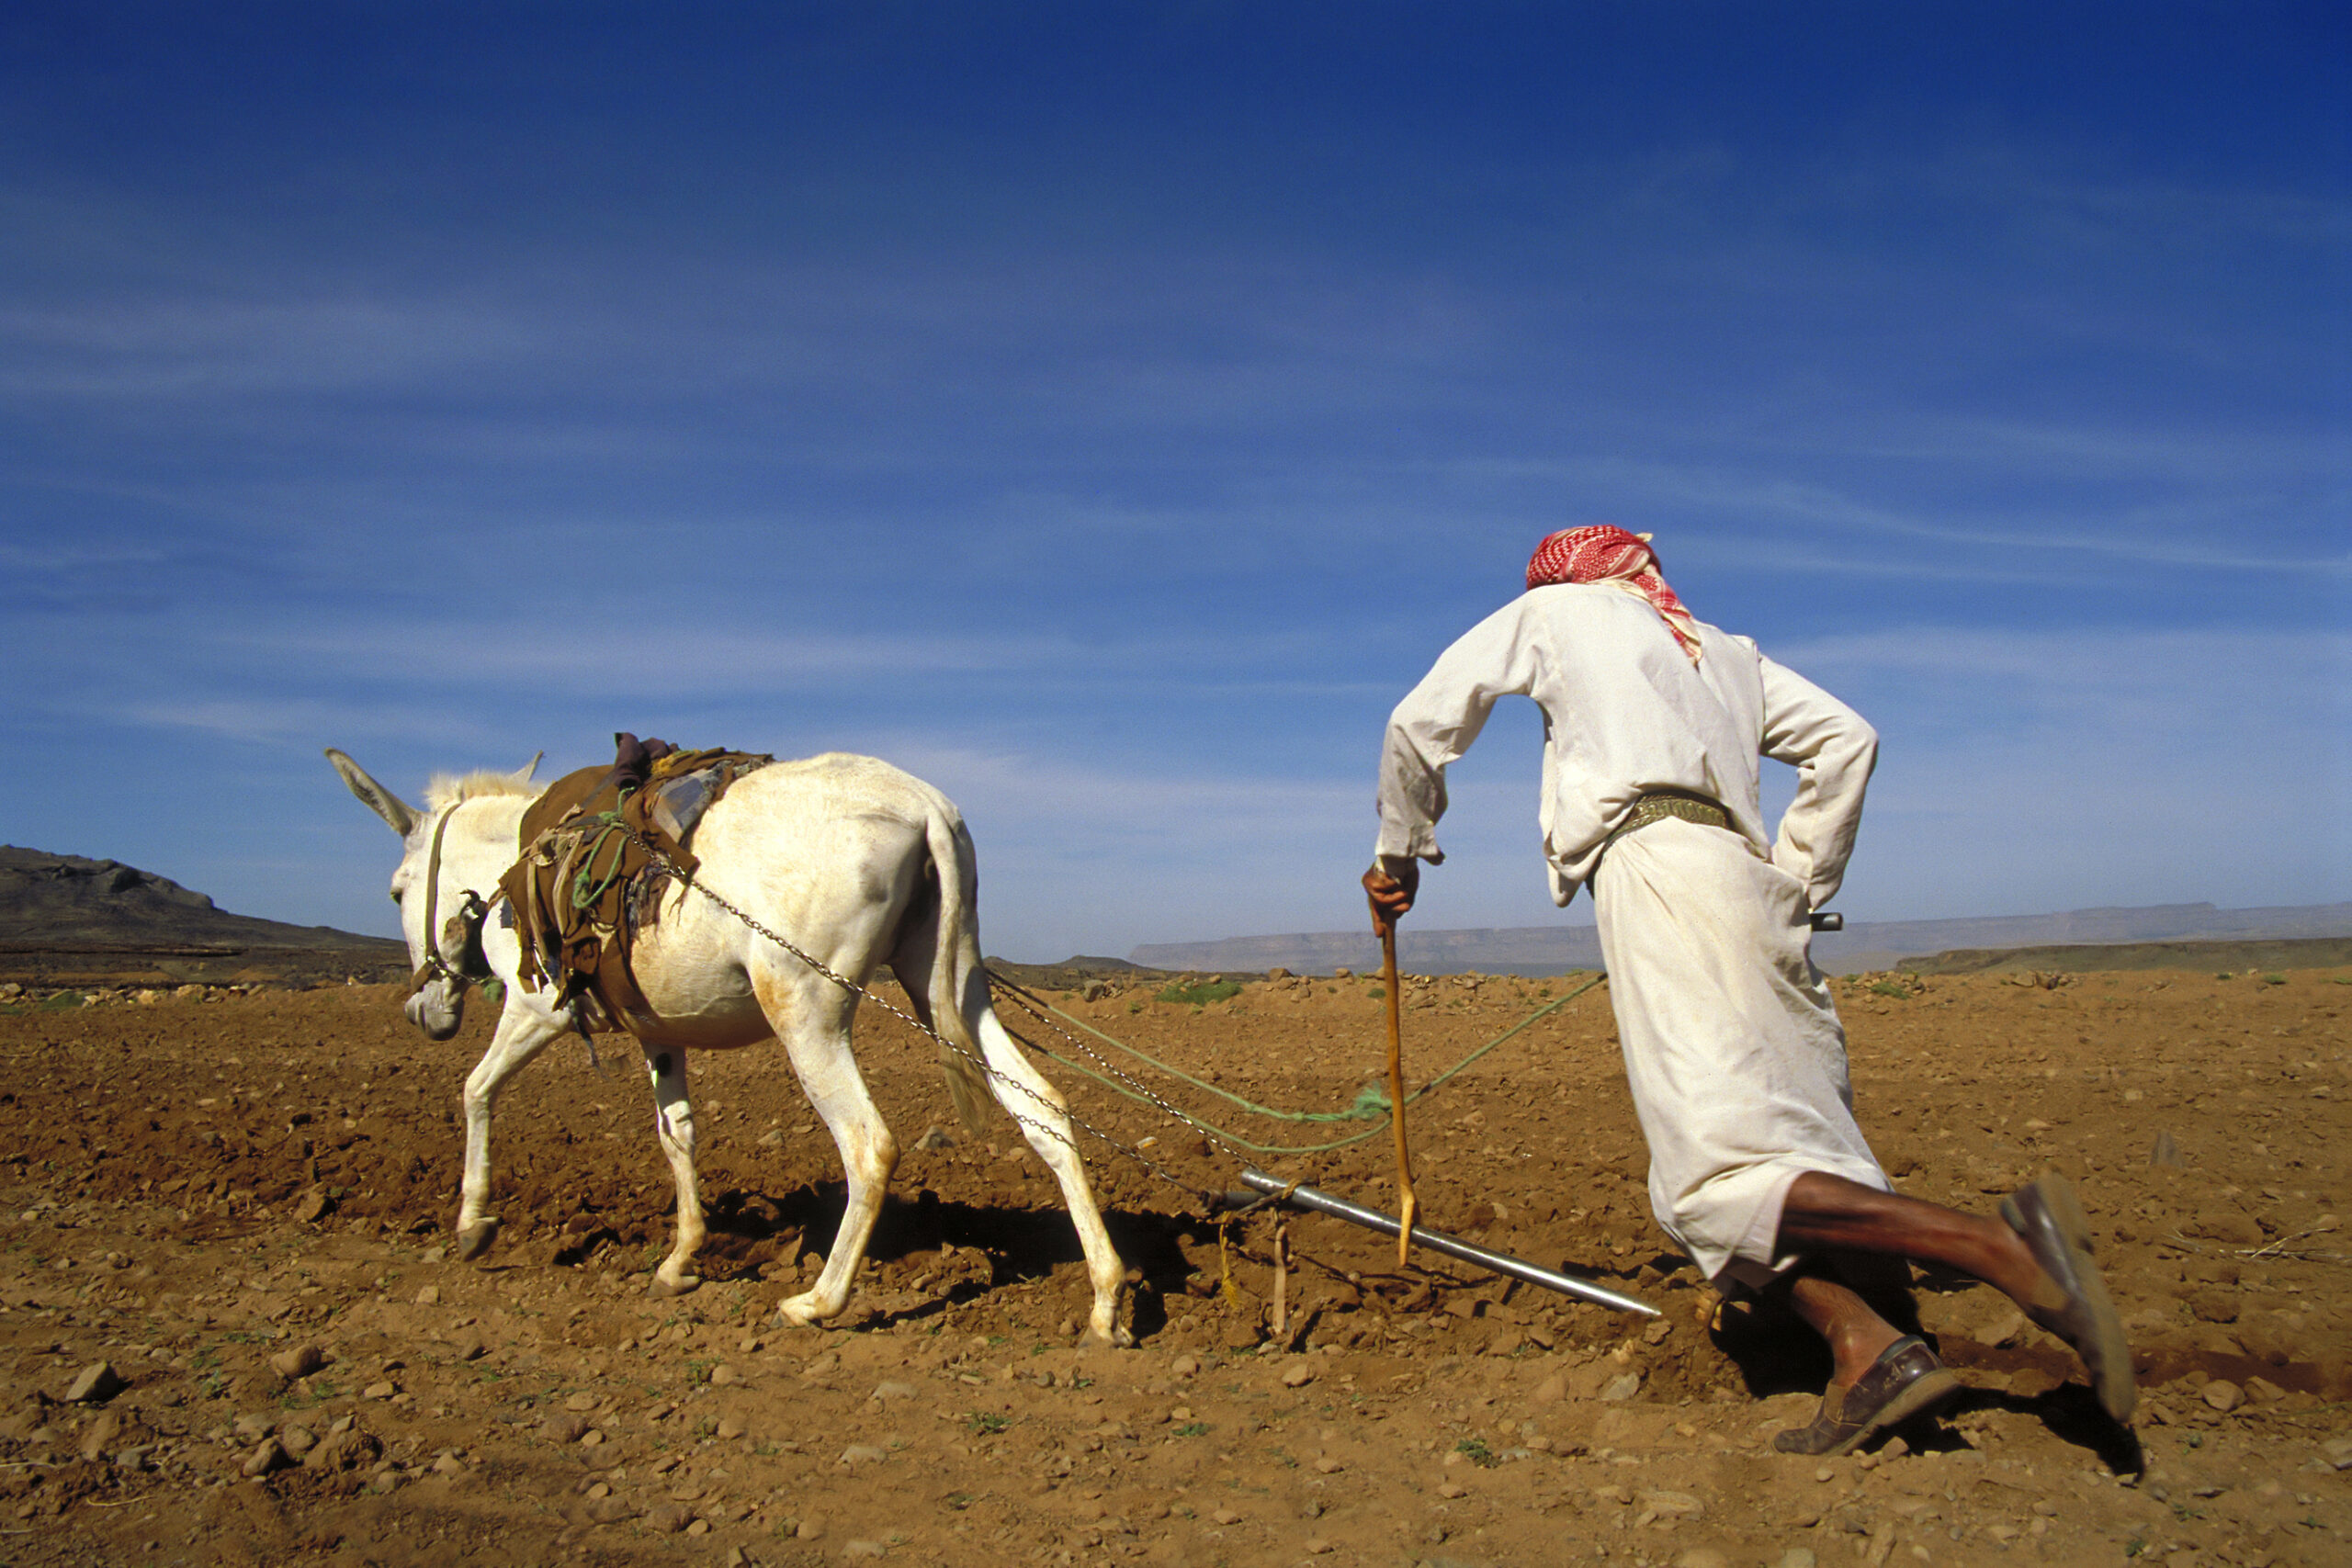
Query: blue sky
point(1106, 411)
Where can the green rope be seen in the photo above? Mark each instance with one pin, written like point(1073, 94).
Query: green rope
point(1370, 1102)
point(589, 885)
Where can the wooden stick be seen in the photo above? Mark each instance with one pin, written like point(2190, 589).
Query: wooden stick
point(1281, 1282)
point(1409, 1207)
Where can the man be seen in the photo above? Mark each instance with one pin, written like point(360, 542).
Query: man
point(1653, 723)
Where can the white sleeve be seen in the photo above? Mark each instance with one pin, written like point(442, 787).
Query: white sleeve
point(1438, 720)
point(1833, 751)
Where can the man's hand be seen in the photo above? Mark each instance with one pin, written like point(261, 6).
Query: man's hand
point(1390, 885)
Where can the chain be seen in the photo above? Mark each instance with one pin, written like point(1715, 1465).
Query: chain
point(1209, 1199)
point(1221, 1204)
point(1033, 1006)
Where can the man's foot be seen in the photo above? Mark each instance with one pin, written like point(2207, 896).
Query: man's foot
point(2048, 1218)
point(1906, 1380)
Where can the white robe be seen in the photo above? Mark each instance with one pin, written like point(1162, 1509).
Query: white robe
point(1733, 1049)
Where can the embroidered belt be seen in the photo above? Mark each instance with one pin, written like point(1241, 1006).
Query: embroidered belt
point(1658, 805)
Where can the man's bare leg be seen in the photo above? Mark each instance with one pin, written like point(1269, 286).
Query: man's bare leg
point(1824, 1213)
point(1856, 1334)
point(1828, 1214)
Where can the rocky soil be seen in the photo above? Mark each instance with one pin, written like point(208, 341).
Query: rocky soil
point(231, 1331)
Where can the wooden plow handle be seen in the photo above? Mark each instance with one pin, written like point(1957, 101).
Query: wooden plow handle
point(1409, 1206)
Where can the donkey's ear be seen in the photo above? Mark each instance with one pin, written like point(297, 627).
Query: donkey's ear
point(396, 812)
point(523, 773)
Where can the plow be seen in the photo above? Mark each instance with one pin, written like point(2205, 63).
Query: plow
point(1262, 1190)
point(1259, 1186)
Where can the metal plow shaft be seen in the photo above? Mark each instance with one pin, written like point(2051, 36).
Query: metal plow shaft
point(1321, 1203)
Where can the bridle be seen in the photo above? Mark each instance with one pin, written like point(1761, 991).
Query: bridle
point(473, 966)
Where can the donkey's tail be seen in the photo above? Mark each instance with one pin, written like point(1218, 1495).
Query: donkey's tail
point(957, 978)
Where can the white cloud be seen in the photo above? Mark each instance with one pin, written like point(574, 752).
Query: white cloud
point(2061, 769)
point(166, 347)
point(2021, 772)
point(2179, 531)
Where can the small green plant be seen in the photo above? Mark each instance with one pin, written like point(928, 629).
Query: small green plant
point(699, 1367)
point(2274, 979)
point(1477, 1451)
point(1378, 993)
point(1889, 989)
point(2136, 1545)
point(1201, 992)
point(985, 1423)
point(1193, 1430)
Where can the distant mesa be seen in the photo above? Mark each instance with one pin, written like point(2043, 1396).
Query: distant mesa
point(65, 920)
point(1532, 950)
point(2297, 935)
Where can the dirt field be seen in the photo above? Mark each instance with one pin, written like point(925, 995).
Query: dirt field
point(240, 1204)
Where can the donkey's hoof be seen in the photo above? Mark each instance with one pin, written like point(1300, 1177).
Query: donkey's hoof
point(795, 1311)
point(678, 1287)
point(1111, 1324)
point(474, 1240)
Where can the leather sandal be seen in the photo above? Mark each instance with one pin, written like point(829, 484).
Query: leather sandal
point(1905, 1380)
point(2048, 1217)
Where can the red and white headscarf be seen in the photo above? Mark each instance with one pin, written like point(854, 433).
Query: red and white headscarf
point(1604, 553)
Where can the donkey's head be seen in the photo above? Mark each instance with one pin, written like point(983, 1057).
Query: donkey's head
point(437, 940)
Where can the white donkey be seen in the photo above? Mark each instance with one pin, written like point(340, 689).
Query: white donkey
point(853, 860)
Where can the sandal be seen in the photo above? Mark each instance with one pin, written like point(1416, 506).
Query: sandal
point(1905, 1380)
point(2048, 1217)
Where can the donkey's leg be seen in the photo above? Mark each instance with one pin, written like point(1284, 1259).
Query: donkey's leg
point(1045, 1124)
point(813, 1023)
point(674, 1122)
point(522, 1033)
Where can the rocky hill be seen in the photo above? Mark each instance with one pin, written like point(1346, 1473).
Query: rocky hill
point(66, 919)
